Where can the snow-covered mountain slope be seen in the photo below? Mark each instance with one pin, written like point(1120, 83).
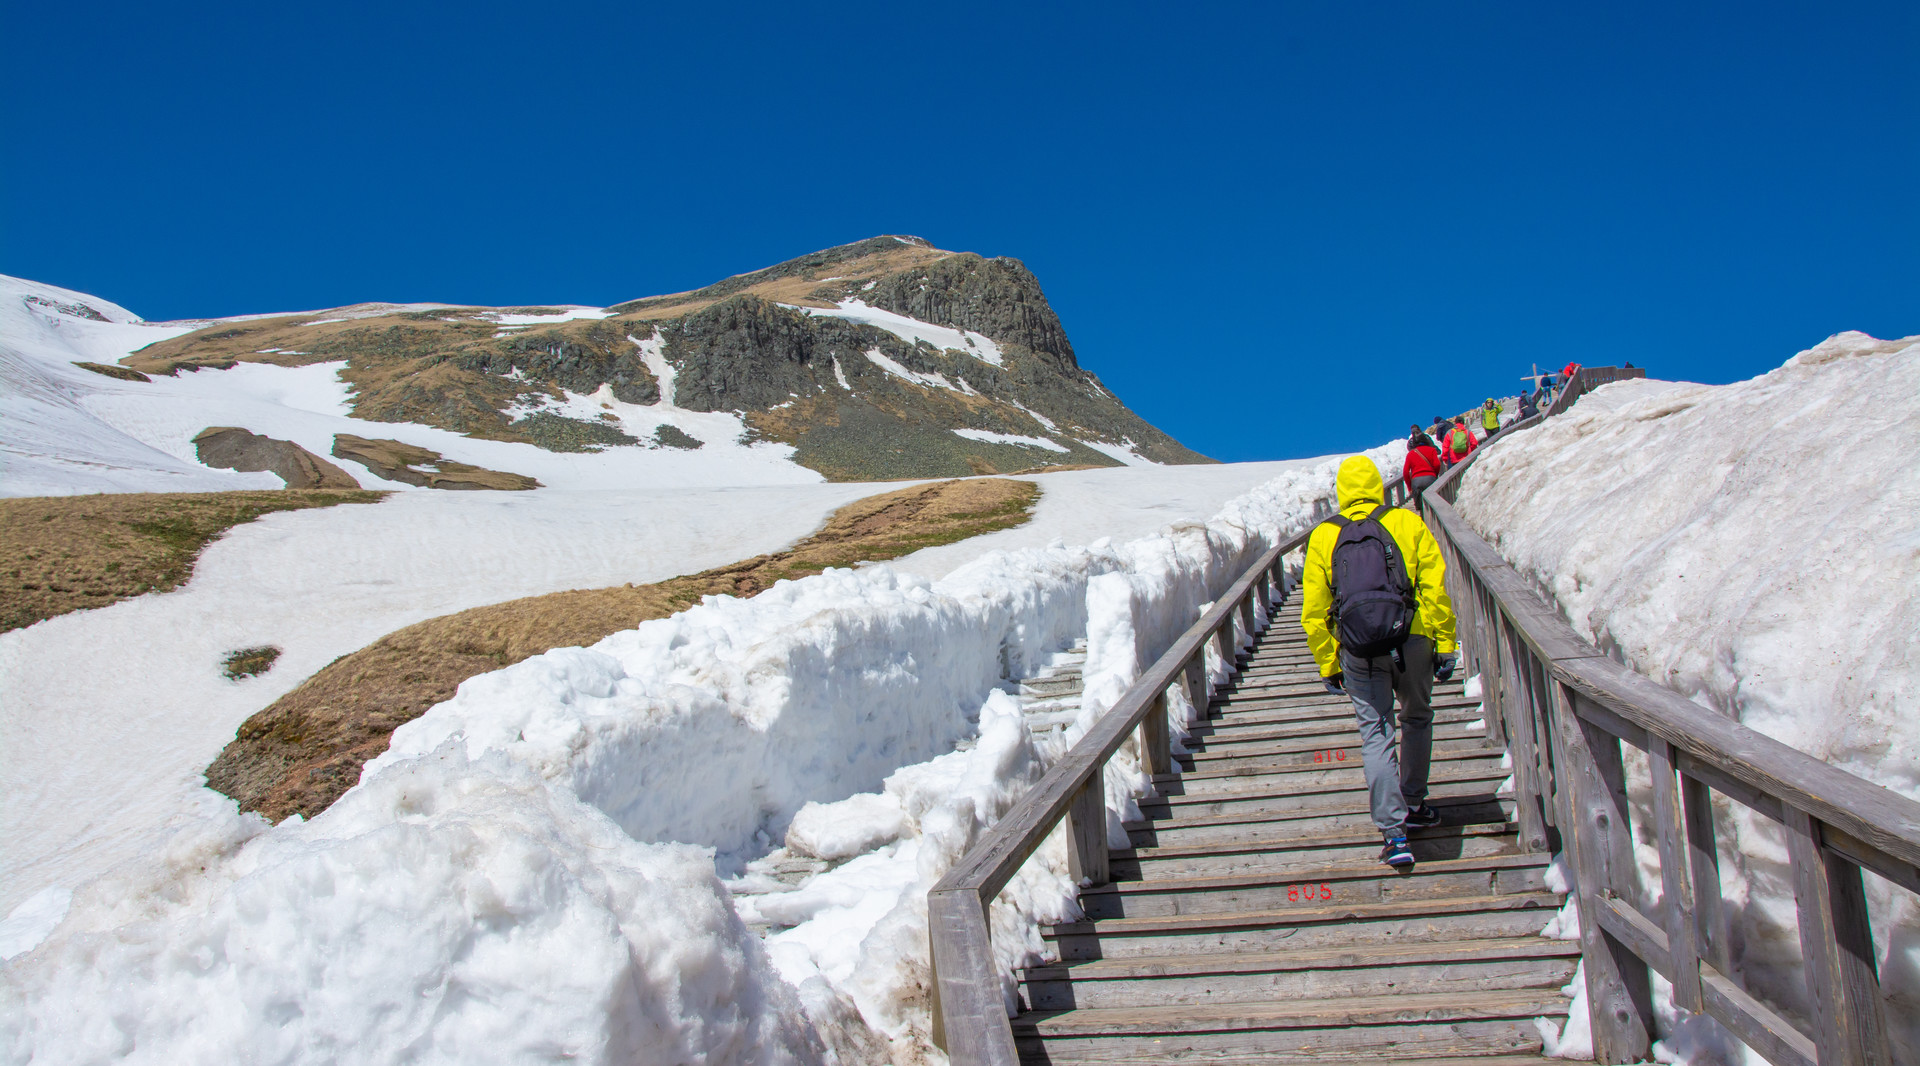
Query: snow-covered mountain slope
point(65, 429)
point(489, 892)
point(1755, 546)
point(887, 358)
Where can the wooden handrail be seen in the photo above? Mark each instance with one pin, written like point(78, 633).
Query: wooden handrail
point(970, 1019)
point(1563, 710)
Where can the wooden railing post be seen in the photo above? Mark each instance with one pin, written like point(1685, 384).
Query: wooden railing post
point(1087, 832)
point(1676, 886)
point(1193, 677)
point(1156, 740)
point(1703, 866)
point(1619, 990)
point(1836, 942)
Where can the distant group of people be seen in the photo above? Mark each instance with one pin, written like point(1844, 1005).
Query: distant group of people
point(1430, 451)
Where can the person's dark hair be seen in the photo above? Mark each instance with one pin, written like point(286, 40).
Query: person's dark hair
point(1419, 439)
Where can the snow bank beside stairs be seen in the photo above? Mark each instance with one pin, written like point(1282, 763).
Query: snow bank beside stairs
point(1756, 547)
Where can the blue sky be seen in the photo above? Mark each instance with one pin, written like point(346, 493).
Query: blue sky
point(1275, 230)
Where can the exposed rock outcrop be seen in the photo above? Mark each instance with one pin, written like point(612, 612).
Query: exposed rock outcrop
point(233, 448)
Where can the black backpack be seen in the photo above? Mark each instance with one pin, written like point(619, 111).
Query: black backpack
point(1373, 604)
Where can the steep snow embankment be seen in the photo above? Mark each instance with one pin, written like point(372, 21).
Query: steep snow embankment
point(530, 871)
point(1755, 546)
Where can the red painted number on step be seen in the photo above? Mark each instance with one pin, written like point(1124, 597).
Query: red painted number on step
point(1330, 756)
point(1309, 893)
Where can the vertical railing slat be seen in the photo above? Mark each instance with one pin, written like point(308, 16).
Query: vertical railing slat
point(1619, 989)
point(1676, 887)
point(1836, 943)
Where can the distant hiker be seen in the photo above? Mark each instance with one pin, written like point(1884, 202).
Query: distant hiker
point(1377, 616)
point(1527, 407)
point(1457, 443)
point(1490, 416)
point(1439, 428)
point(1423, 464)
point(1567, 372)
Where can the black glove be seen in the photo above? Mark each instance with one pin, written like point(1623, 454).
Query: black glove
point(1333, 682)
point(1443, 666)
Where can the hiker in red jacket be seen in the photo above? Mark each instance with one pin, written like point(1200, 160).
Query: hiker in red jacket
point(1423, 463)
point(1458, 443)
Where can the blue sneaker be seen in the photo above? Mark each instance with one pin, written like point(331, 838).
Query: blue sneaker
point(1396, 853)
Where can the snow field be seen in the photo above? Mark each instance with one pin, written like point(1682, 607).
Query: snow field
point(1755, 547)
point(556, 827)
point(111, 715)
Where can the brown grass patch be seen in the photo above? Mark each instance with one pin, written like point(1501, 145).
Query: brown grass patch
point(301, 753)
point(67, 553)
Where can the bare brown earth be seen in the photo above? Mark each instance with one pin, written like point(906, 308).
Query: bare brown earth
point(298, 755)
point(122, 372)
point(67, 553)
point(413, 465)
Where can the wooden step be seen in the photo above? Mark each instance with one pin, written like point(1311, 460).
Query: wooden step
point(1315, 753)
point(1223, 784)
point(1268, 713)
point(1290, 856)
point(1308, 1014)
point(1200, 1050)
point(1341, 811)
point(1321, 925)
point(1388, 969)
point(1354, 879)
point(1235, 785)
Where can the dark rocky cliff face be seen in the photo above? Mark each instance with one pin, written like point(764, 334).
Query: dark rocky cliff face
point(998, 297)
point(855, 400)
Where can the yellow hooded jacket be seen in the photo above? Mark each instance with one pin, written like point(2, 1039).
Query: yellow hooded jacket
point(1359, 492)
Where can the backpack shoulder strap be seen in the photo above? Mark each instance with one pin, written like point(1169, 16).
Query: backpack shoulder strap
point(1341, 521)
point(1377, 512)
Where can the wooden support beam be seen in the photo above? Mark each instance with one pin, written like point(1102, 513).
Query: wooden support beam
point(1850, 1026)
point(969, 1016)
point(1087, 833)
point(1619, 991)
point(1703, 866)
point(1676, 886)
point(1760, 1026)
point(1156, 743)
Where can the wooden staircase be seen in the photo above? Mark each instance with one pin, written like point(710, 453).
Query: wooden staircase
point(1252, 920)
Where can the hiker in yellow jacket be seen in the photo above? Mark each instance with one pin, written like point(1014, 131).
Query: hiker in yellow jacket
point(1396, 772)
point(1490, 416)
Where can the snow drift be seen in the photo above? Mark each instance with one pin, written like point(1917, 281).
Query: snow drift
point(530, 871)
point(1754, 546)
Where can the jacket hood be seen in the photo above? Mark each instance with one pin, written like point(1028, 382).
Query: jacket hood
point(1359, 482)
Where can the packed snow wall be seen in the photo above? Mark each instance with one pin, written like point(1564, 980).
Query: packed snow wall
point(1755, 546)
point(533, 869)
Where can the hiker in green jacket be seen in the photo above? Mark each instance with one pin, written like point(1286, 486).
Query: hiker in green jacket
point(1490, 416)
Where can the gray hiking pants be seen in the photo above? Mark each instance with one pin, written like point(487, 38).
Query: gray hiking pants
point(1396, 772)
